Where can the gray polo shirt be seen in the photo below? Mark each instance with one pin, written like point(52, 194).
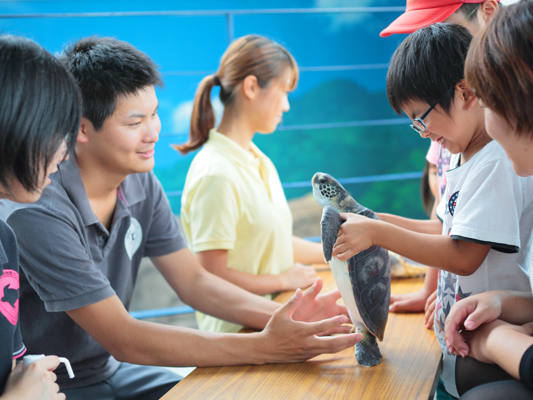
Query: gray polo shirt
point(70, 260)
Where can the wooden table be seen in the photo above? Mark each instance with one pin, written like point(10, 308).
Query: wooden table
point(410, 361)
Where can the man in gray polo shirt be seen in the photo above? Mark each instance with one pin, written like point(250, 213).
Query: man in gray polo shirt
point(82, 243)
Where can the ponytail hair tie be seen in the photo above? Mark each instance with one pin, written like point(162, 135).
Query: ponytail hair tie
point(216, 80)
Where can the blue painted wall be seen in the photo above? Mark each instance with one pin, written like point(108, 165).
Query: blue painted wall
point(189, 47)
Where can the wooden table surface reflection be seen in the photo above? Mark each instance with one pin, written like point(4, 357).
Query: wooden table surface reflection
point(410, 361)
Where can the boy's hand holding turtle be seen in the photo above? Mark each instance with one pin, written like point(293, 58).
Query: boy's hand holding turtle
point(355, 235)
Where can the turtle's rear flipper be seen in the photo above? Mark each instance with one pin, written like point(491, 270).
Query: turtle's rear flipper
point(329, 227)
point(367, 351)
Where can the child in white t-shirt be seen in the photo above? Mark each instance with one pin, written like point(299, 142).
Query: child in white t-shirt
point(483, 240)
point(496, 327)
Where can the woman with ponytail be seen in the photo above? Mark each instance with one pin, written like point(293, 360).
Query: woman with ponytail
point(234, 213)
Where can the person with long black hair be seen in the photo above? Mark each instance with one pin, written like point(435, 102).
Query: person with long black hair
point(40, 111)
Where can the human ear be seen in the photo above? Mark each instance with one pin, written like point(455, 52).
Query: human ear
point(466, 94)
point(83, 132)
point(487, 10)
point(250, 87)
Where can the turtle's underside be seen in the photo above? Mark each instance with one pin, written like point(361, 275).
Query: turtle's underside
point(364, 280)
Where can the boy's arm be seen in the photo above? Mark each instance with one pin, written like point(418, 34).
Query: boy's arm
point(416, 302)
point(358, 233)
point(431, 226)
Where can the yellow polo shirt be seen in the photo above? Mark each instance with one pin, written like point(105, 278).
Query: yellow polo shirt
point(233, 200)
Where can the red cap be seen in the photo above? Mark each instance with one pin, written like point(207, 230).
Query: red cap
point(420, 13)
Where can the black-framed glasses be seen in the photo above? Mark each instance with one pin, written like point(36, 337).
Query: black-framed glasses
point(418, 123)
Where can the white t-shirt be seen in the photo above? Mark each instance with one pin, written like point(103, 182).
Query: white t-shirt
point(485, 202)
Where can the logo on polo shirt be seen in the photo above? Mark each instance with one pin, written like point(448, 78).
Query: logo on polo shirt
point(9, 295)
point(134, 237)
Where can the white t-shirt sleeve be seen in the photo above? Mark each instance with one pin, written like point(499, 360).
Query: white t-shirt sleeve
point(441, 209)
point(488, 210)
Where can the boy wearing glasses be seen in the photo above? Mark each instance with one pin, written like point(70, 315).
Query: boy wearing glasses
point(486, 214)
point(474, 15)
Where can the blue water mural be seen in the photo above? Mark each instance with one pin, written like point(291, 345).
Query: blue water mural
point(343, 60)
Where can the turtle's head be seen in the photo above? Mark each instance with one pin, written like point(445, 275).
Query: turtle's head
point(327, 191)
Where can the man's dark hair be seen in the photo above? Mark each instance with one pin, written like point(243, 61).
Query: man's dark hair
point(40, 104)
point(107, 69)
point(427, 64)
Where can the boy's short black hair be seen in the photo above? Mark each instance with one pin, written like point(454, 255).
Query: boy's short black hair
point(470, 10)
point(40, 105)
point(107, 69)
point(427, 64)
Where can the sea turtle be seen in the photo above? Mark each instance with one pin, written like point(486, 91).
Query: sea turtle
point(363, 280)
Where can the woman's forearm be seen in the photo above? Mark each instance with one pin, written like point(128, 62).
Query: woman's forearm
point(307, 252)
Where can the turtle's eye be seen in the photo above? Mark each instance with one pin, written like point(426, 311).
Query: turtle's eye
point(323, 180)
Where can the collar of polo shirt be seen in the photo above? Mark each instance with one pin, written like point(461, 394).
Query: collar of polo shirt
point(131, 188)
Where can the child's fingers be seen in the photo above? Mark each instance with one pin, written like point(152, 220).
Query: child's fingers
point(396, 297)
point(50, 363)
point(346, 255)
point(344, 252)
point(459, 347)
point(344, 216)
point(406, 305)
point(431, 301)
point(528, 328)
point(429, 321)
point(429, 315)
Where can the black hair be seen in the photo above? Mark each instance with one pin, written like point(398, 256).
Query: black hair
point(40, 104)
point(427, 65)
point(470, 10)
point(107, 69)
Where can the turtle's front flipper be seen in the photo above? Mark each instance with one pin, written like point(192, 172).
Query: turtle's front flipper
point(330, 223)
point(367, 351)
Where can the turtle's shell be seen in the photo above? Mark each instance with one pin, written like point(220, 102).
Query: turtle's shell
point(370, 275)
